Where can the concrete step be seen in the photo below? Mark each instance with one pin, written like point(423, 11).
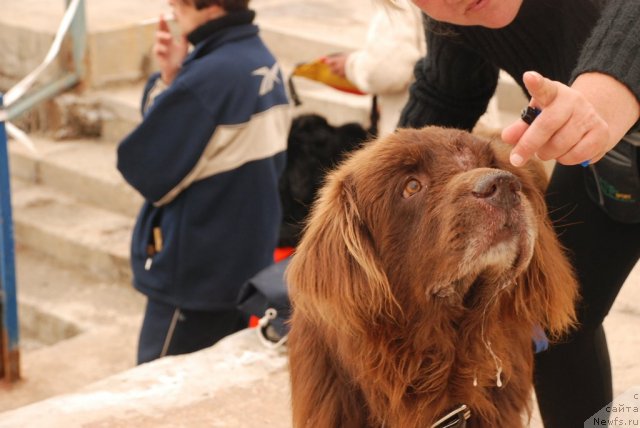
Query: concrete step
point(85, 169)
point(70, 202)
point(75, 329)
point(121, 33)
point(76, 234)
point(237, 383)
point(111, 113)
point(120, 106)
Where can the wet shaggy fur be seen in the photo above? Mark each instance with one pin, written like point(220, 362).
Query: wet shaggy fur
point(426, 264)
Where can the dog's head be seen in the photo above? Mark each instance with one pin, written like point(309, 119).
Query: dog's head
point(431, 216)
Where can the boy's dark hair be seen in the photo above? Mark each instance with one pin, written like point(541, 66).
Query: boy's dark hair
point(228, 5)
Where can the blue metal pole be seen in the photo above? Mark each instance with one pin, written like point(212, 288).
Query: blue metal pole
point(10, 363)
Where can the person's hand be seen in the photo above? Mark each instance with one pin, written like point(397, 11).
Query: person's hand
point(169, 52)
point(336, 63)
point(577, 124)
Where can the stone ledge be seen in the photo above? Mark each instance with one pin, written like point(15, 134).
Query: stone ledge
point(75, 329)
point(236, 383)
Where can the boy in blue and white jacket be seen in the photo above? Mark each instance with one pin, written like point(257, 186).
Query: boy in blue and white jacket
point(207, 158)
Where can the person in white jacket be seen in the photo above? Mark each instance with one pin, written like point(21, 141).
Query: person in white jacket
point(384, 66)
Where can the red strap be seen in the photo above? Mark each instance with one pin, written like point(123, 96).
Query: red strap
point(282, 253)
point(253, 321)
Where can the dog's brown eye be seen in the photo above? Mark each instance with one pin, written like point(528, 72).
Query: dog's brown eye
point(412, 187)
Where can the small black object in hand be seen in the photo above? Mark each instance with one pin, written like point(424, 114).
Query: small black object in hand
point(529, 114)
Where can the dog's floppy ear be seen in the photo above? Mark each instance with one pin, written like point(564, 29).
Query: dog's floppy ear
point(335, 274)
point(548, 288)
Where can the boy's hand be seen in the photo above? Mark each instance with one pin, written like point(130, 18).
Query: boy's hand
point(169, 52)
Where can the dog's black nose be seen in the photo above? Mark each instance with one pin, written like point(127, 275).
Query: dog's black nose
point(499, 189)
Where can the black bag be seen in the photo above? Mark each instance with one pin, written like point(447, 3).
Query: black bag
point(266, 296)
point(614, 181)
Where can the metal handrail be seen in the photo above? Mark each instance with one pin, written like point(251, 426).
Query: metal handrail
point(9, 350)
point(20, 100)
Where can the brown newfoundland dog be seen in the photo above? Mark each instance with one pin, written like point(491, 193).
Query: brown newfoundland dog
point(427, 262)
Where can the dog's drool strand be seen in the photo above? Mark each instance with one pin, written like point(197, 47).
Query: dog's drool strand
point(487, 344)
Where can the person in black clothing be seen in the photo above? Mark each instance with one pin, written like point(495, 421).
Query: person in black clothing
point(579, 61)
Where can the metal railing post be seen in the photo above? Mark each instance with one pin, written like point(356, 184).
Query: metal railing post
point(9, 342)
point(78, 34)
point(19, 104)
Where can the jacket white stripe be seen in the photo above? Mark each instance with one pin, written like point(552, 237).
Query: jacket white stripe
point(232, 146)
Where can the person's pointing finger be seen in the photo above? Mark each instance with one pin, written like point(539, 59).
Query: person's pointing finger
point(529, 139)
point(541, 89)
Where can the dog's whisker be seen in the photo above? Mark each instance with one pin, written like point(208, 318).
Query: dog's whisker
point(565, 225)
point(558, 221)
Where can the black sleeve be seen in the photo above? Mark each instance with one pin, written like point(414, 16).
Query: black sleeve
point(614, 46)
point(453, 84)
